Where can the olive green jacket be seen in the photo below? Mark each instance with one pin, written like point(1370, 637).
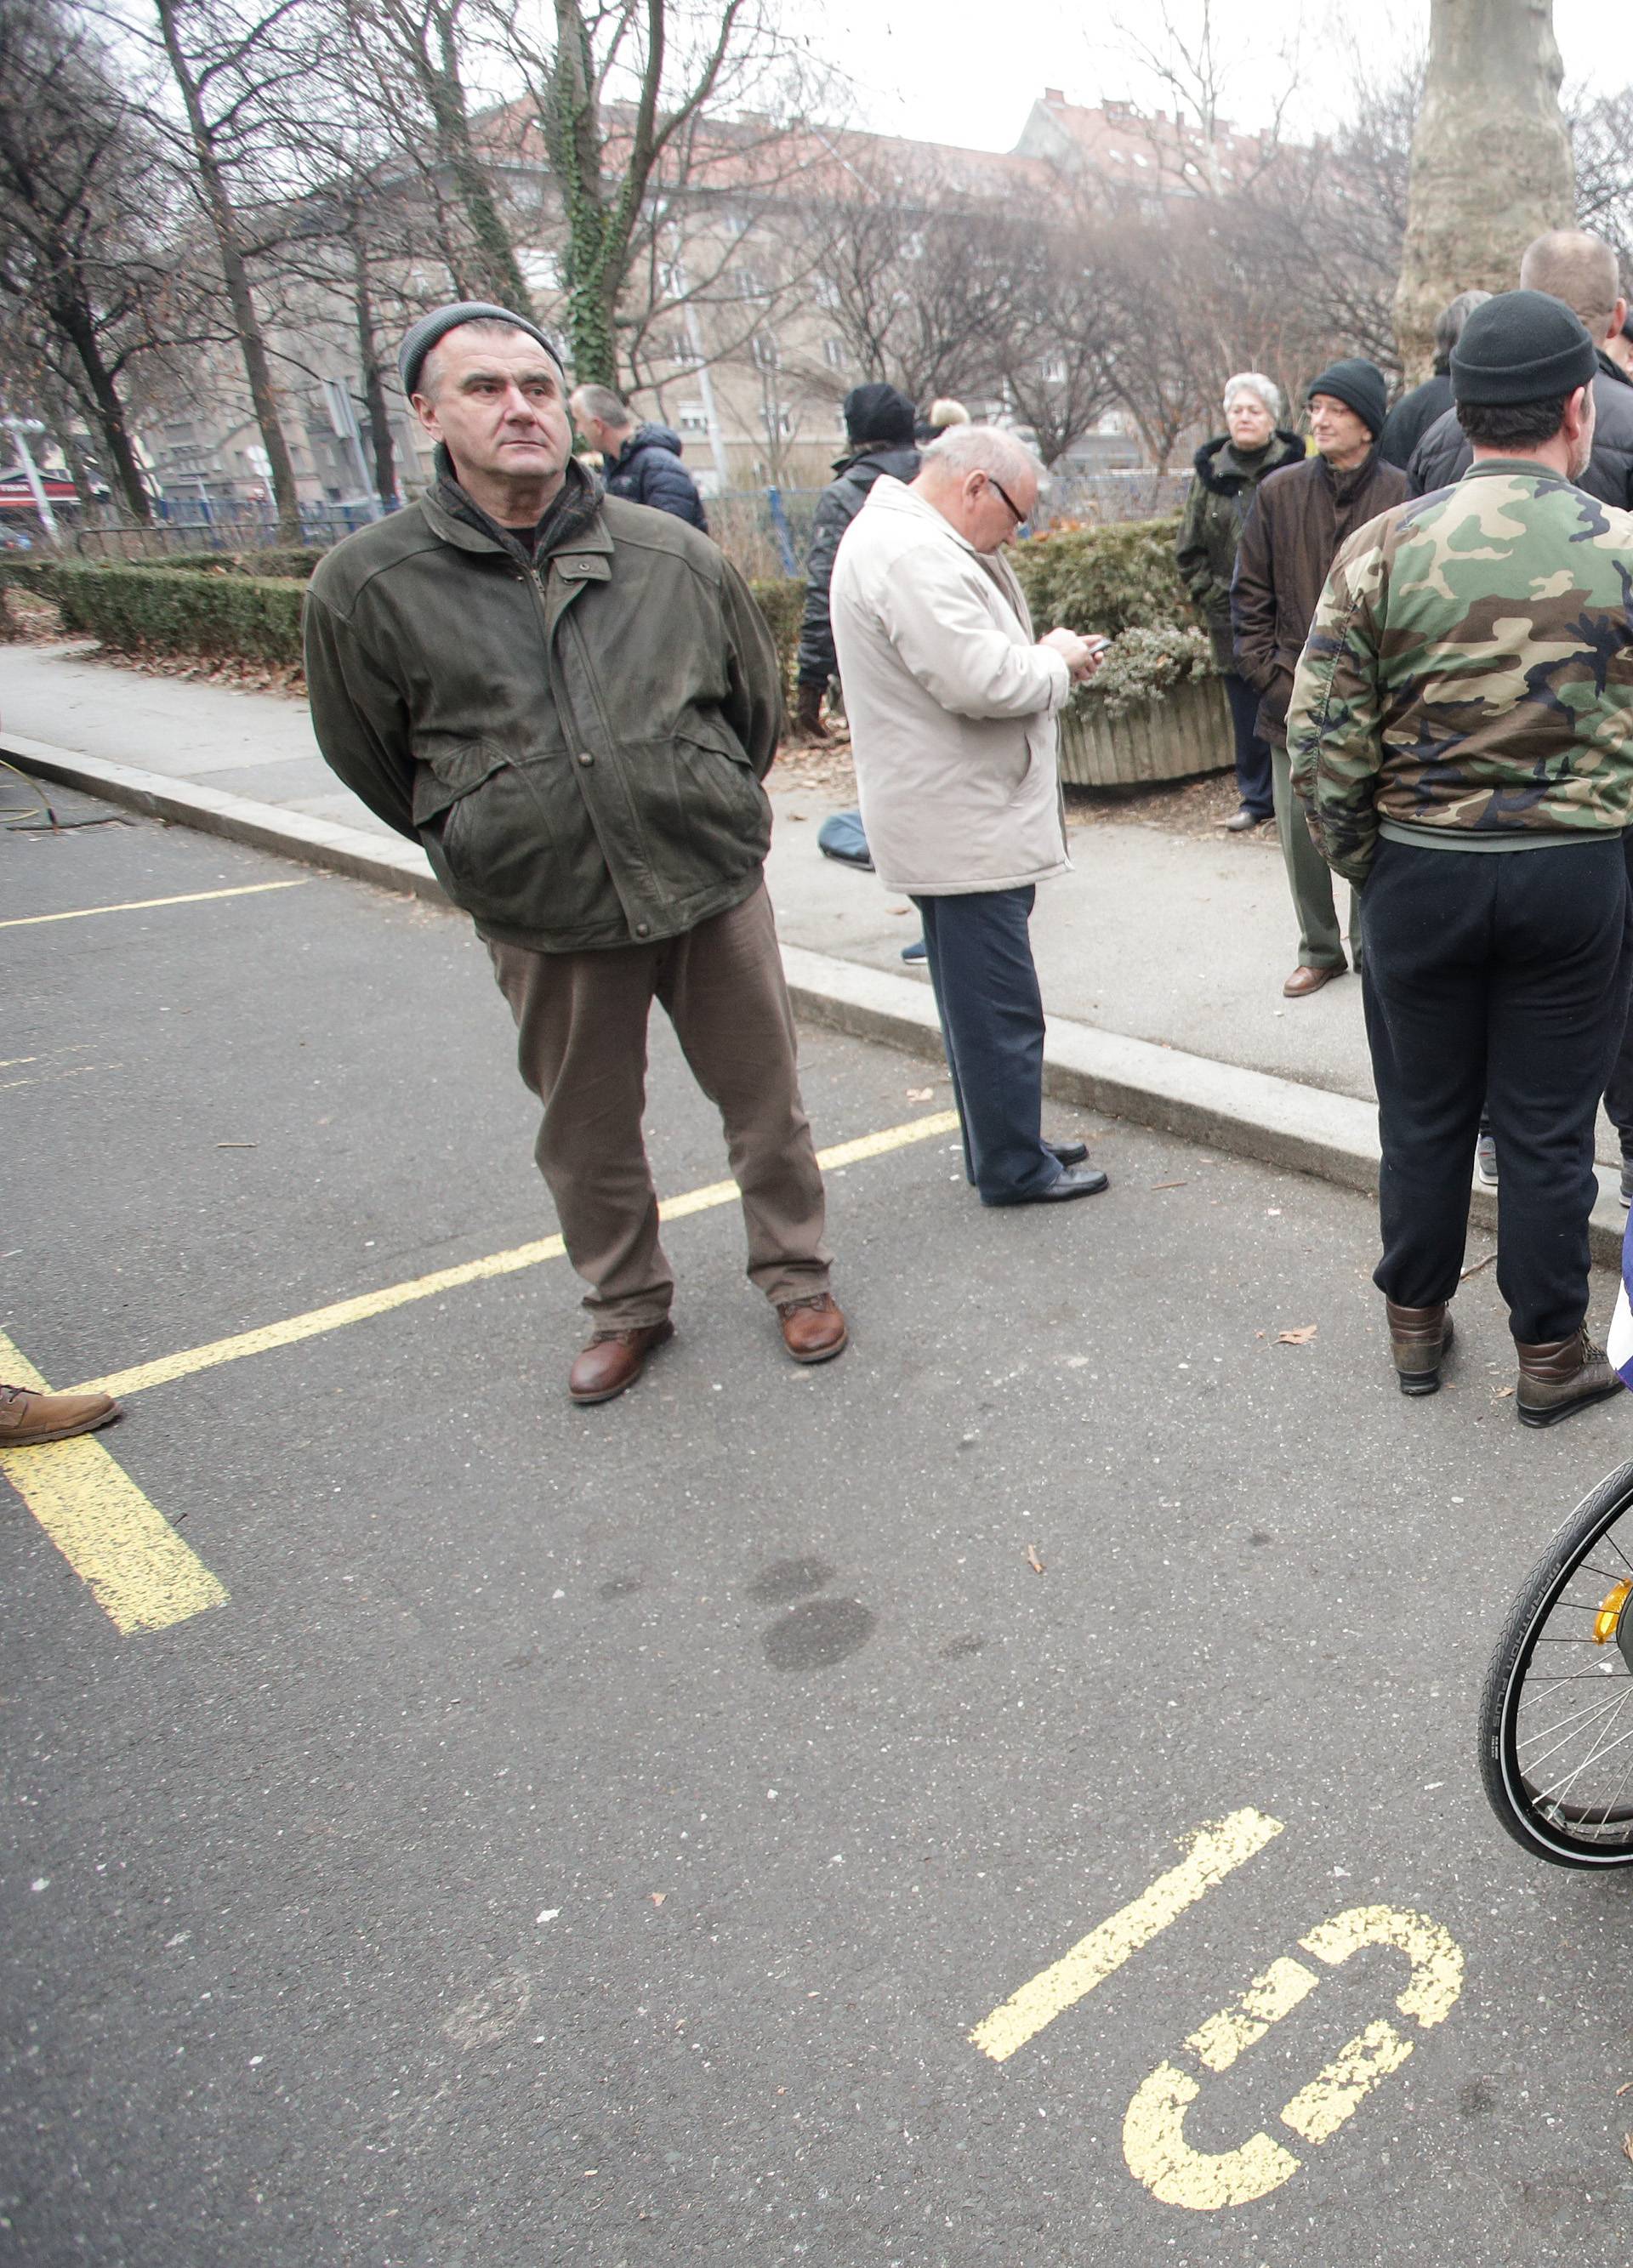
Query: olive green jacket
point(579, 744)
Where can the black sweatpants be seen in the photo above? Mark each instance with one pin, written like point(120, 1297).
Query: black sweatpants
point(1504, 974)
point(980, 954)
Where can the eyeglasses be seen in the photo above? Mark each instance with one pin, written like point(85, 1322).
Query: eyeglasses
point(1019, 516)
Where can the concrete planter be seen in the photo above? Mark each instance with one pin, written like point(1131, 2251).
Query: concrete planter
point(1186, 732)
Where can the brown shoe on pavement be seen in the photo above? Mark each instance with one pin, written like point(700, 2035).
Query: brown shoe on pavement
point(1302, 981)
point(614, 1360)
point(813, 1328)
point(27, 1417)
point(1559, 1376)
point(1418, 1340)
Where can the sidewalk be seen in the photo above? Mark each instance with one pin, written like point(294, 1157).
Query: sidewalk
point(1176, 945)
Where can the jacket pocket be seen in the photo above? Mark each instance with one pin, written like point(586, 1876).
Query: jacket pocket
point(448, 771)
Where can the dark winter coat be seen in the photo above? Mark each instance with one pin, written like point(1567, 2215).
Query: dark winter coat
point(1445, 453)
point(1412, 416)
point(647, 470)
point(1214, 512)
point(1298, 518)
point(836, 507)
point(578, 742)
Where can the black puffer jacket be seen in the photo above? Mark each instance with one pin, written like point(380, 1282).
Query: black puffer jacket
point(1214, 511)
point(1411, 418)
point(647, 470)
point(1445, 453)
point(836, 507)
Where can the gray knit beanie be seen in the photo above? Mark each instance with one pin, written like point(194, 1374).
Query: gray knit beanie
point(420, 338)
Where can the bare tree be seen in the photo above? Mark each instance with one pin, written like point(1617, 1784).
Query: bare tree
point(76, 200)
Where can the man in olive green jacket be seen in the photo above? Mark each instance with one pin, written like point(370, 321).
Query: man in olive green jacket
point(571, 702)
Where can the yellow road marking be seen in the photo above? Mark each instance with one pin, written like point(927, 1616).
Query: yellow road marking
point(1206, 2181)
point(140, 905)
point(343, 1312)
point(1215, 1851)
point(140, 1572)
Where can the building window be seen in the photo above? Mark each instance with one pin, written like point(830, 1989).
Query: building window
point(767, 353)
point(692, 419)
point(835, 353)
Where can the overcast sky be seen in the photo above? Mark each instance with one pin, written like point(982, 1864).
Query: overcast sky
point(950, 71)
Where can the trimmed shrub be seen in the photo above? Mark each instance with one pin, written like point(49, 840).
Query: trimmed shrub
point(293, 563)
point(1144, 665)
point(1111, 579)
point(782, 602)
point(168, 610)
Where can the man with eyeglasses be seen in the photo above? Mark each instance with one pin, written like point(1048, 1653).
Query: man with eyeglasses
point(952, 703)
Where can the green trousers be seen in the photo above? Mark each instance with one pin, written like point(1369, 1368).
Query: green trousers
point(1309, 877)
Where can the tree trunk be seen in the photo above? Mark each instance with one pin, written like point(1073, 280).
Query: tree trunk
point(74, 320)
point(572, 136)
point(235, 273)
point(1491, 166)
point(382, 448)
point(497, 275)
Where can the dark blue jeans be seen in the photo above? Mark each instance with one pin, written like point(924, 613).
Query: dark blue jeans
point(1253, 755)
point(987, 994)
point(1505, 976)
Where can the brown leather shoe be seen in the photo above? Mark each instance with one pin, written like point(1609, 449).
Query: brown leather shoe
point(26, 1416)
point(1418, 1340)
point(1304, 981)
point(613, 1360)
point(1558, 1376)
point(814, 1329)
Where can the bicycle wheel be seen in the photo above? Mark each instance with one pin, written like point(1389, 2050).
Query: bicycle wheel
point(1556, 1712)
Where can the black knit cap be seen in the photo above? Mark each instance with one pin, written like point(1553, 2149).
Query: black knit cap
point(1522, 346)
point(877, 413)
point(420, 338)
point(1360, 386)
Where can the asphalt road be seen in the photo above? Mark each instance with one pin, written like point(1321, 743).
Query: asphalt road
point(594, 1836)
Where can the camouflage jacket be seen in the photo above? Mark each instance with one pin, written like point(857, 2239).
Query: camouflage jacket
point(1470, 668)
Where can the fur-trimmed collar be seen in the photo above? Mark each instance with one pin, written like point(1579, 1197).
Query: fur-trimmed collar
point(1212, 474)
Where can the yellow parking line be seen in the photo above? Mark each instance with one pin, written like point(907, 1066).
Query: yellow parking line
point(140, 905)
point(121, 1546)
point(343, 1312)
point(1214, 1852)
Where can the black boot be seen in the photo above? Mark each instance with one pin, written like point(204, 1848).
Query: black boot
point(1418, 1340)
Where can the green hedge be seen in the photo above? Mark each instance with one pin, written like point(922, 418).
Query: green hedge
point(782, 602)
point(169, 610)
point(294, 561)
point(1111, 579)
point(149, 608)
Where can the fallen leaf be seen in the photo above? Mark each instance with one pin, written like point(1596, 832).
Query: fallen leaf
point(895, 910)
point(1626, 2145)
point(922, 1095)
point(1501, 1393)
point(1623, 2088)
point(1033, 1560)
point(657, 1897)
point(1302, 1336)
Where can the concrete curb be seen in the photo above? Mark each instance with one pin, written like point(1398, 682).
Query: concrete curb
point(394, 865)
point(1248, 1114)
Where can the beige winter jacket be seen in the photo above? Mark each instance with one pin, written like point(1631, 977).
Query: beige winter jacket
point(951, 705)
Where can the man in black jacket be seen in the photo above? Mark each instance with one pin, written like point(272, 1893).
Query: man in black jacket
point(1416, 411)
point(1580, 269)
point(879, 421)
point(641, 462)
point(1299, 517)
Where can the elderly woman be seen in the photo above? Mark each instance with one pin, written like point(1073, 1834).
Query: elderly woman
point(1228, 471)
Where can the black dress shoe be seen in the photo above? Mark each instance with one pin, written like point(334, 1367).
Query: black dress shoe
point(1069, 1153)
point(1074, 1181)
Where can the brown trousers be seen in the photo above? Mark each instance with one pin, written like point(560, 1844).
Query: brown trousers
point(581, 1022)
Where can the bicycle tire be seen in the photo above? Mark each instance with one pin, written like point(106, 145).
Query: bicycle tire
point(1561, 1832)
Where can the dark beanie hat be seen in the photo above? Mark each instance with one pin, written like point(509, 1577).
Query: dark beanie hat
point(422, 336)
point(1360, 386)
point(877, 413)
point(1522, 346)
